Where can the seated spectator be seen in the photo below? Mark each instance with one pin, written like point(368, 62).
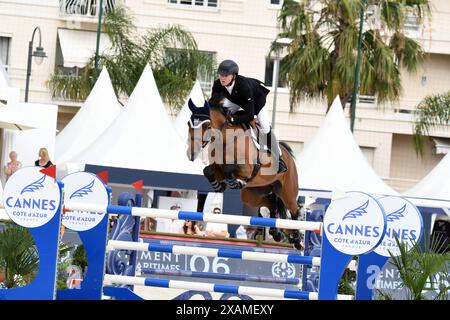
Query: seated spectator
point(253, 232)
point(44, 159)
point(241, 232)
point(214, 229)
point(13, 165)
point(190, 227)
point(175, 224)
point(169, 225)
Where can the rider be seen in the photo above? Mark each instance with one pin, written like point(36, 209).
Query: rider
point(249, 95)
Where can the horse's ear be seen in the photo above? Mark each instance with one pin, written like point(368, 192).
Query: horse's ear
point(206, 105)
point(192, 106)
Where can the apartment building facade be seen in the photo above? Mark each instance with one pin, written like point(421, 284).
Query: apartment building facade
point(242, 30)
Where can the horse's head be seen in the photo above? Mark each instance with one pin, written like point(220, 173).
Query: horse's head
point(198, 124)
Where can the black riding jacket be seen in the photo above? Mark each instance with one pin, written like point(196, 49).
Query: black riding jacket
point(248, 93)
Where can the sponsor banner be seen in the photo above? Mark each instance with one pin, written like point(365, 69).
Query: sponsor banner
point(388, 281)
point(404, 220)
point(355, 224)
point(83, 187)
point(31, 198)
point(195, 263)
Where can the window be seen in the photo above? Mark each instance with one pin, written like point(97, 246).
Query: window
point(411, 22)
point(196, 3)
point(370, 99)
point(206, 77)
point(85, 8)
point(270, 77)
point(4, 50)
point(276, 2)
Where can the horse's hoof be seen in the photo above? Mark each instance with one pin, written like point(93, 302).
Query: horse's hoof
point(276, 235)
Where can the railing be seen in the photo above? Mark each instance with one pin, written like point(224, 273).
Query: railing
point(85, 8)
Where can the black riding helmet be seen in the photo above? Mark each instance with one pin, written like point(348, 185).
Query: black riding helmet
point(228, 67)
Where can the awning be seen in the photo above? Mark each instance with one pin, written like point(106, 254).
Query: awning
point(441, 145)
point(78, 46)
point(10, 118)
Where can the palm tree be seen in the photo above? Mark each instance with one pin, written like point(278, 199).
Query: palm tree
point(322, 56)
point(433, 111)
point(18, 256)
point(171, 52)
point(422, 270)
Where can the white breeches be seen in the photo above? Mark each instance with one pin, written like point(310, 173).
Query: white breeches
point(263, 120)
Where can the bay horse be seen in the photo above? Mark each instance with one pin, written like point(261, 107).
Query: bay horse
point(234, 162)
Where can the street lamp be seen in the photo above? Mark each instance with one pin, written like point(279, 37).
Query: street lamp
point(358, 63)
point(99, 29)
point(39, 55)
point(280, 43)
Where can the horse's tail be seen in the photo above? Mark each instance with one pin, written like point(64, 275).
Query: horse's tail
point(281, 208)
point(288, 148)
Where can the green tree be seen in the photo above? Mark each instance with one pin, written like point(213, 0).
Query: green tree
point(18, 256)
point(322, 56)
point(422, 270)
point(432, 112)
point(79, 257)
point(171, 52)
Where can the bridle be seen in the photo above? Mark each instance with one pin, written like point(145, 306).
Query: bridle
point(197, 124)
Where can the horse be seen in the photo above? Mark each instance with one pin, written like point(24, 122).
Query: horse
point(259, 186)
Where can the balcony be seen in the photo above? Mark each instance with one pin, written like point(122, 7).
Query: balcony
point(85, 10)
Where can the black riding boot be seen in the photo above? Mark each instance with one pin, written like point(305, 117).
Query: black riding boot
point(282, 167)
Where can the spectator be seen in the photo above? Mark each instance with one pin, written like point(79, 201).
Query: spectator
point(13, 165)
point(174, 224)
point(214, 229)
point(241, 232)
point(44, 159)
point(190, 227)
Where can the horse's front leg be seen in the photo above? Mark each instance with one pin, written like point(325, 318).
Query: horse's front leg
point(295, 236)
point(230, 170)
point(209, 173)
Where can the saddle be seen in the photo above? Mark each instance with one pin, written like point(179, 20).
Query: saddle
point(252, 126)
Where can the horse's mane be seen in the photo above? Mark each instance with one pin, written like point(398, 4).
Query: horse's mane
point(216, 101)
point(288, 148)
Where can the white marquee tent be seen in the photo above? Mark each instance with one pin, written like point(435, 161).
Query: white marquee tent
point(332, 159)
point(96, 114)
point(141, 137)
point(435, 185)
